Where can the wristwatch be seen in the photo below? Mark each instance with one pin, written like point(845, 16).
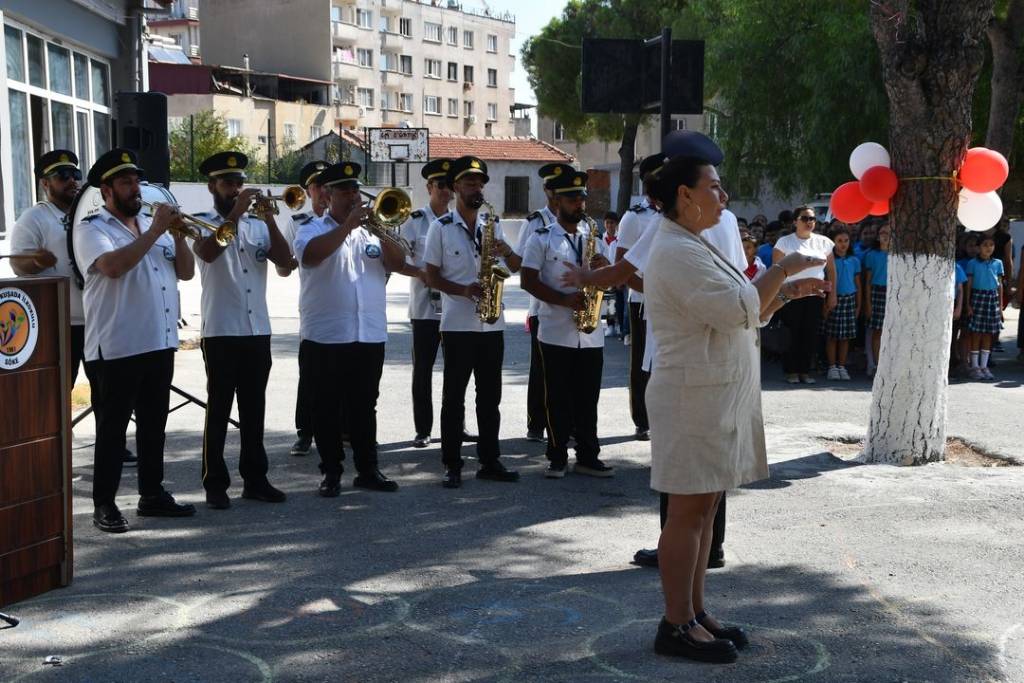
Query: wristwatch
point(781, 296)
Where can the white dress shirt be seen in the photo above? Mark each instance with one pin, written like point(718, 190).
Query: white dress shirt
point(546, 252)
point(534, 222)
point(451, 246)
point(343, 299)
point(291, 228)
point(42, 227)
point(424, 303)
point(133, 314)
point(234, 300)
point(633, 226)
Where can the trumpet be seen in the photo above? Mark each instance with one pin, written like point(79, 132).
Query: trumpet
point(189, 226)
point(265, 204)
point(388, 210)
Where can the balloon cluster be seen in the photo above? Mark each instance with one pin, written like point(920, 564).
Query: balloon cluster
point(982, 173)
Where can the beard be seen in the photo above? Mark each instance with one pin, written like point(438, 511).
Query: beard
point(224, 205)
point(475, 201)
point(571, 217)
point(129, 206)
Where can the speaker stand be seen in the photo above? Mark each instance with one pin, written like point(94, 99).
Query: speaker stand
point(189, 398)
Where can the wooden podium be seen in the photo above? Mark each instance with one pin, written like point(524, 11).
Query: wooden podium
point(35, 437)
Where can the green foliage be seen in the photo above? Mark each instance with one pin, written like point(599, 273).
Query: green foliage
point(208, 132)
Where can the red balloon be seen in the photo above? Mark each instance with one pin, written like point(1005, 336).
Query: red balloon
point(879, 183)
point(848, 203)
point(880, 208)
point(983, 170)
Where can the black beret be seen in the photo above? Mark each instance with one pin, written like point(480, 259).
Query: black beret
point(572, 183)
point(550, 172)
point(465, 165)
point(310, 171)
point(54, 160)
point(689, 143)
point(340, 174)
point(224, 164)
point(436, 168)
point(114, 162)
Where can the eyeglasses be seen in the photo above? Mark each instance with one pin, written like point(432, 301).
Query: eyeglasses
point(66, 174)
point(807, 219)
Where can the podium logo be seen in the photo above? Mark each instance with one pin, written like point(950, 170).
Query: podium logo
point(19, 328)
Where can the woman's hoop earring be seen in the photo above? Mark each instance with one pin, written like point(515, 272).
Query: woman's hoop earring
point(700, 211)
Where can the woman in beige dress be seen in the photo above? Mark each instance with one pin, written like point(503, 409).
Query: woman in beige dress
point(704, 397)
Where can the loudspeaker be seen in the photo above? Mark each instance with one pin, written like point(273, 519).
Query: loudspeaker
point(142, 128)
point(623, 76)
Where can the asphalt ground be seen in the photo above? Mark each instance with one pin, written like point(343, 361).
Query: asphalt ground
point(841, 572)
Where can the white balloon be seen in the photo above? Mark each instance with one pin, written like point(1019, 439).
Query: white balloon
point(979, 211)
point(866, 155)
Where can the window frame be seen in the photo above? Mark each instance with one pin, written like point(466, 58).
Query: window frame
point(427, 62)
point(492, 83)
point(495, 41)
point(426, 33)
point(436, 99)
point(468, 44)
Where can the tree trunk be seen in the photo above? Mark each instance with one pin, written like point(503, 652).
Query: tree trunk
point(627, 152)
point(932, 52)
point(1005, 37)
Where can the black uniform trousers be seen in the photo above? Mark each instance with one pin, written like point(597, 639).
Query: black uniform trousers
point(304, 403)
point(481, 355)
point(803, 318)
point(426, 338)
point(346, 381)
point(536, 416)
point(235, 365)
point(141, 383)
point(717, 528)
point(638, 377)
point(572, 386)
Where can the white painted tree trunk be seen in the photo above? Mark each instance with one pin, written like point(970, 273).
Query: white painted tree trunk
point(908, 408)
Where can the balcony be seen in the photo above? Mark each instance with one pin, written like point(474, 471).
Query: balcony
point(392, 7)
point(345, 71)
point(347, 33)
point(392, 42)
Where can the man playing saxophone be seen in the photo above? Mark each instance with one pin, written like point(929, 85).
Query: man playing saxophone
point(571, 345)
point(472, 346)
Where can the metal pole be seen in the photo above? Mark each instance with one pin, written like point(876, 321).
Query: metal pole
point(192, 147)
point(666, 67)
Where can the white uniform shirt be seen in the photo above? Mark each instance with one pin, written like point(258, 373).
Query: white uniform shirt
point(291, 228)
point(234, 300)
point(610, 248)
point(451, 248)
point(42, 227)
point(424, 303)
point(343, 299)
point(546, 252)
point(138, 312)
point(534, 222)
point(634, 225)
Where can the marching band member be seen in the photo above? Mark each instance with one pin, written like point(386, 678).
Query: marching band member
point(536, 415)
point(471, 346)
point(572, 359)
point(131, 332)
point(309, 179)
point(236, 329)
point(424, 302)
point(342, 307)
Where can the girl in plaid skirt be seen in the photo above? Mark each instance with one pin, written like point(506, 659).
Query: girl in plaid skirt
point(876, 275)
point(984, 297)
point(841, 324)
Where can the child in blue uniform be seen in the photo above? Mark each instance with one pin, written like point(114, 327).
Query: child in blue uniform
point(957, 352)
point(841, 325)
point(984, 297)
point(876, 276)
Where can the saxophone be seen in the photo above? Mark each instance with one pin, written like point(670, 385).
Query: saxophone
point(589, 317)
point(492, 275)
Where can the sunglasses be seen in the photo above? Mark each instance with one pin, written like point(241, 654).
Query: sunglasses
point(66, 174)
point(807, 219)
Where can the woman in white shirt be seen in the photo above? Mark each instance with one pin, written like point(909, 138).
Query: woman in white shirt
point(803, 318)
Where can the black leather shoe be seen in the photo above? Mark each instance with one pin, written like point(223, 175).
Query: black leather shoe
point(108, 518)
point(301, 446)
point(421, 441)
point(716, 558)
point(330, 487)
point(129, 459)
point(734, 633)
point(375, 481)
point(469, 438)
point(675, 641)
point(646, 557)
point(452, 478)
point(163, 505)
point(594, 468)
point(643, 435)
point(497, 472)
point(217, 500)
point(263, 491)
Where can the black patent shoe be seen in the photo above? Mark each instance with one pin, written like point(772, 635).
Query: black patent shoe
point(495, 471)
point(108, 518)
point(264, 492)
point(675, 641)
point(734, 633)
point(163, 505)
point(452, 478)
point(716, 558)
point(375, 481)
point(421, 441)
point(217, 500)
point(469, 438)
point(646, 557)
point(643, 435)
point(330, 487)
point(301, 446)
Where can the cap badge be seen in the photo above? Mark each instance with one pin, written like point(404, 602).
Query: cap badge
point(125, 158)
point(474, 163)
point(577, 181)
point(558, 170)
point(348, 170)
point(232, 162)
point(445, 166)
point(64, 158)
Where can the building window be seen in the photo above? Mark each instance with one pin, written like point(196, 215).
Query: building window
point(389, 61)
point(453, 72)
point(431, 104)
point(433, 68)
point(14, 47)
point(467, 40)
point(364, 18)
point(315, 132)
point(234, 127)
point(453, 106)
point(679, 124)
point(289, 133)
point(386, 24)
point(492, 42)
point(365, 97)
point(405, 26)
point(492, 111)
point(467, 73)
point(385, 100)
point(559, 132)
point(467, 108)
point(100, 84)
point(364, 57)
point(517, 195)
point(711, 124)
point(59, 61)
point(405, 65)
point(453, 35)
point(492, 78)
point(431, 32)
point(405, 102)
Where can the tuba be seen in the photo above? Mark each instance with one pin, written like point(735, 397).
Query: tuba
point(388, 210)
point(588, 318)
point(492, 275)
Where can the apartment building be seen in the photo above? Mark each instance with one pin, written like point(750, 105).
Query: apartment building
point(433, 64)
point(179, 22)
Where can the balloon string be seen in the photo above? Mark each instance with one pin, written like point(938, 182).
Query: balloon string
point(932, 177)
